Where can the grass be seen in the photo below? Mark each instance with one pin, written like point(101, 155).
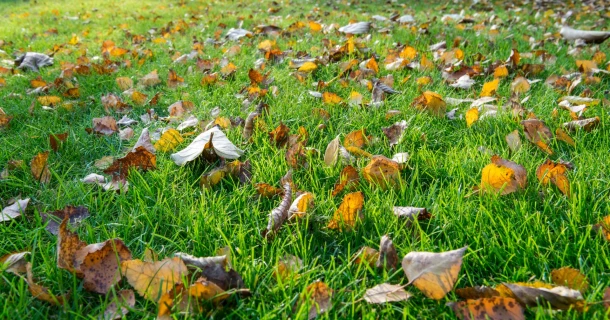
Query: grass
point(518, 237)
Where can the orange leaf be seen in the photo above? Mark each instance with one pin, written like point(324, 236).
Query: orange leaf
point(348, 212)
point(488, 308)
point(553, 172)
point(431, 102)
point(383, 172)
point(39, 168)
point(139, 158)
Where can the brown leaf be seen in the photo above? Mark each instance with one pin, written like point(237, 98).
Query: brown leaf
point(383, 172)
point(174, 80)
point(388, 258)
point(39, 167)
point(105, 126)
point(571, 278)
point(488, 308)
point(585, 124)
point(99, 264)
point(68, 243)
point(183, 300)
point(14, 262)
point(513, 140)
point(150, 79)
point(348, 212)
point(553, 172)
point(140, 159)
point(386, 292)
point(41, 293)
point(411, 213)
point(152, 279)
point(124, 83)
point(348, 180)
point(318, 295)
point(538, 133)
point(366, 255)
point(118, 308)
point(115, 103)
point(395, 132)
point(434, 274)
point(55, 140)
point(75, 214)
point(279, 135)
point(279, 215)
point(213, 269)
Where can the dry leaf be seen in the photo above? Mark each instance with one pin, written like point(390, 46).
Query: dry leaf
point(472, 293)
point(561, 298)
point(150, 79)
point(490, 88)
point(39, 167)
point(331, 98)
point(152, 279)
point(221, 145)
point(553, 172)
point(513, 140)
point(118, 308)
point(105, 126)
point(434, 274)
point(169, 140)
point(49, 100)
point(331, 155)
point(33, 61)
point(14, 210)
point(189, 300)
point(383, 172)
point(348, 212)
point(213, 269)
point(124, 83)
point(503, 176)
point(431, 102)
point(14, 262)
point(585, 124)
point(348, 180)
point(308, 66)
point(472, 116)
point(488, 308)
point(288, 267)
point(520, 85)
point(538, 133)
point(388, 258)
point(54, 218)
point(301, 205)
point(41, 293)
point(279, 215)
point(68, 243)
point(366, 255)
point(386, 292)
point(99, 264)
point(318, 295)
point(571, 278)
point(395, 132)
point(55, 140)
point(144, 141)
point(140, 159)
point(560, 134)
point(569, 33)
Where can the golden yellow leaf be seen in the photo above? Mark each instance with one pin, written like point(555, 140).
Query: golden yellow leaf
point(408, 53)
point(169, 140)
point(308, 67)
point(501, 72)
point(503, 176)
point(520, 85)
point(153, 279)
point(39, 167)
point(571, 278)
point(383, 172)
point(330, 98)
point(318, 295)
point(139, 98)
point(314, 26)
point(489, 88)
point(49, 100)
point(357, 138)
point(366, 255)
point(472, 115)
point(348, 212)
point(431, 102)
point(560, 134)
point(372, 64)
point(553, 172)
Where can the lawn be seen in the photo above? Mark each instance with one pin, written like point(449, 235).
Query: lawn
point(519, 237)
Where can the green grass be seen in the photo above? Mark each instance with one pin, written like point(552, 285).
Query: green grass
point(517, 237)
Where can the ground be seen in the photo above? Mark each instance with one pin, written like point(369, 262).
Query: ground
point(518, 237)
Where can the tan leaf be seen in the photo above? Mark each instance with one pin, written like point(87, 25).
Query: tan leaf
point(434, 274)
point(366, 255)
point(348, 212)
point(174, 80)
point(585, 124)
point(383, 172)
point(560, 134)
point(14, 262)
point(513, 140)
point(331, 155)
point(106, 126)
point(124, 83)
point(39, 167)
point(561, 298)
point(150, 79)
point(388, 258)
point(152, 279)
point(279, 215)
point(538, 133)
point(288, 267)
point(119, 306)
point(386, 292)
point(41, 293)
point(317, 295)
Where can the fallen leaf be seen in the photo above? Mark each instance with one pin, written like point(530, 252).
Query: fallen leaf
point(41, 293)
point(383, 172)
point(150, 79)
point(222, 146)
point(569, 33)
point(348, 213)
point(560, 134)
point(105, 126)
point(99, 264)
point(386, 292)
point(434, 274)
point(388, 258)
point(366, 255)
point(395, 132)
point(331, 155)
point(318, 295)
point(288, 267)
point(520, 85)
point(488, 308)
point(279, 215)
point(472, 293)
point(68, 243)
point(55, 140)
point(561, 298)
point(571, 278)
point(301, 205)
point(14, 262)
point(503, 176)
point(39, 167)
point(431, 102)
point(14, 210)
point(49, 100)
point(489, 88)
point(54, 218)
point(472, 115)
point(169, 140)
point(174, 80)
point(538, 133)
point(140, 159)
point(144, 141)
point(188, 300)
point(118, 308)
point(124, 83)
point(513, 140)
point(553, 172)
point(331, 98)
point(213, 269)
point(585, 124)
point(308, 66)
point(348, 180)
point(153, 279)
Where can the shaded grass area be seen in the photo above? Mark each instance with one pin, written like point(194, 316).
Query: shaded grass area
point(511, 238)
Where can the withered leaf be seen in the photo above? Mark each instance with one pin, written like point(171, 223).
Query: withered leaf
point(150, 79)
point(55, 140)
point(386, 292)
point(15, 210)
point(140, 159)
point(503, 176)
point(99, 263)
point(394, 133)
point(279, 215)
point(68, 243)
point(553, 172)
point(221, 146)
point(41, 293)
point(75, 214)
point(39, 167)
point(288, 267)
point(105, 126)
point(214, 269)
point(169, 140)
point(348, 212)
point(317, 295)
point(538, 133)
point(434, 274)
point(118, 308)
point(348, 180)
point(14, 262)
point(571, 278)
point(471, 293)
point(561, 298)
point(585, 124)
point(388, 258)
point(488, 308)
point(301, 205)
point(152, 279)
point(366, 255)
point(383, 172)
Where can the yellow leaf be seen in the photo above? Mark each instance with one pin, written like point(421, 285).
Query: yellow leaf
point(330, 98)
point(124, 83)
point(153, 279)
point(431, 102)
point(472, 116)
point(503, 176)
point(348, 213)
point(314, 26)
point(372, 64)
point(139, 98)
point(308, 67)
point(571, 278)
point(169, 140)
point(553, 172)
point(408, 53)
point(49, 100)
point(501, 72)
point(489, 88)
